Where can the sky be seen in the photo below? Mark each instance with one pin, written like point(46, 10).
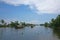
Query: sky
point(30, 11)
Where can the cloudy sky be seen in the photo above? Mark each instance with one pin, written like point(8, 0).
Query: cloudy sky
point(34, 11)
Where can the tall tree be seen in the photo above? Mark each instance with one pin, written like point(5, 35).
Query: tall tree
point(2, 21)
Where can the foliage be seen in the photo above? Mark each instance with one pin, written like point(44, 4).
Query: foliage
point(55, 22)
point(46, 24)
point(3, 23)
point(14, 24)
point(55, 25)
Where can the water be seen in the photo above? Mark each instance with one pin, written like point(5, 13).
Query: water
point(28, 33)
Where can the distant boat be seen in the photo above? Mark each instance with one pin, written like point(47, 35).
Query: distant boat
point(19, 26)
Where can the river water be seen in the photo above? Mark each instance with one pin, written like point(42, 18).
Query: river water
point(28, 33)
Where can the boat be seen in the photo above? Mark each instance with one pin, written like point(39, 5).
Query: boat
point(19, 26)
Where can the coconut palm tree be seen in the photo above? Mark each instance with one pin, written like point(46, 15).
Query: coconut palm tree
point(2, 21)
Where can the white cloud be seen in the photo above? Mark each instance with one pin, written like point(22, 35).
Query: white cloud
point(41, 6)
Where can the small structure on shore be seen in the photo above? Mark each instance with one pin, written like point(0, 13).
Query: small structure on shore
point(19, 26)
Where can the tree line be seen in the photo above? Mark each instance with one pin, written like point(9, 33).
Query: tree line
point(14, 24)
point(55, 25)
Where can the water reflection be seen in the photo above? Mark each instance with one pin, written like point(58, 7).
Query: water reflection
point(27, 33)
point(57, 32)
point(24, 27)
point(1, 33)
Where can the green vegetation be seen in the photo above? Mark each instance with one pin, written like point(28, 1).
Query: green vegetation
point(46, 24)
point(15, 24)
point(41, 24)
point(55, 25)
point(3, 23)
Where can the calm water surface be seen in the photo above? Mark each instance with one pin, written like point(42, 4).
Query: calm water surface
point(27, 33)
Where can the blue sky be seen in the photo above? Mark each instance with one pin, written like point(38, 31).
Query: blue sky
point(25, 13)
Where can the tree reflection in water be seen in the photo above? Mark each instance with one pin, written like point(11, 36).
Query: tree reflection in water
point(57, 32)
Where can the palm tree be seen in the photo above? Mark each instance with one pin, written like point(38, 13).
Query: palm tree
point(2, 21)
point(3, 24)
